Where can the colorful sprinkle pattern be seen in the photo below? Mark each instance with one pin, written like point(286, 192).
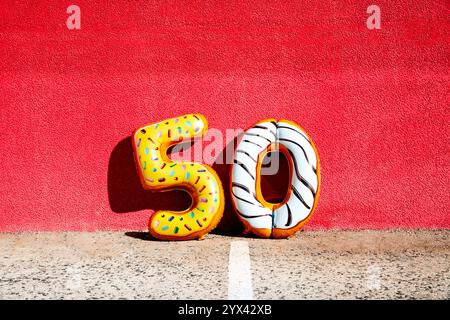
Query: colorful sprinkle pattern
point(159, 172)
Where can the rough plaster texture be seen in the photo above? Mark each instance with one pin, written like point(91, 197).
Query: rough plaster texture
point(375, 102)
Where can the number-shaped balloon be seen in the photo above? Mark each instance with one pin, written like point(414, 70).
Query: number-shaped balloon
point(158, 172)
point(279, 220)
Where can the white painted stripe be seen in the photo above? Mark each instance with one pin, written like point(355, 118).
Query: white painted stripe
point(239, 272)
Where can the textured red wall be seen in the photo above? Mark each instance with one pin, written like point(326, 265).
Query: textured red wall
point(376, 103)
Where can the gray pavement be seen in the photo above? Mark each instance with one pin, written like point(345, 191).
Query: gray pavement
point(311, 265)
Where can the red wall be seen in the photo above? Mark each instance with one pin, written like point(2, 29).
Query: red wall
point(376, 103)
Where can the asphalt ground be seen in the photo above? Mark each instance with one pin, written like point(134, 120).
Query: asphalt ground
point(312, 265)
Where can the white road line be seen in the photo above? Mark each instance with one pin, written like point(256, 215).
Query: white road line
point(239, 272)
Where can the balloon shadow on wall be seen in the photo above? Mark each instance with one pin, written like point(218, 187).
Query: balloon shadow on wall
point(126, 194)
point(230, 224)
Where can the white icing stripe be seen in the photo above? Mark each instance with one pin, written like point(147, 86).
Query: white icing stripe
point(247, 171)
point(298, 211)
point(244, 195)
point(265, 133)
point(284, 125)
point(257, 217)
point(305, 169)
point(299, 137)
point(280, 219)
point(304, 191)
point(250, 148)
point(259, 141)
point(247, 162)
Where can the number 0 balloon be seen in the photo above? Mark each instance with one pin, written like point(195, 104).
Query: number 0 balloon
point(279, 220)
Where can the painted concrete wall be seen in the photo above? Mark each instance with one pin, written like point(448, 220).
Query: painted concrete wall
point(374, 101)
